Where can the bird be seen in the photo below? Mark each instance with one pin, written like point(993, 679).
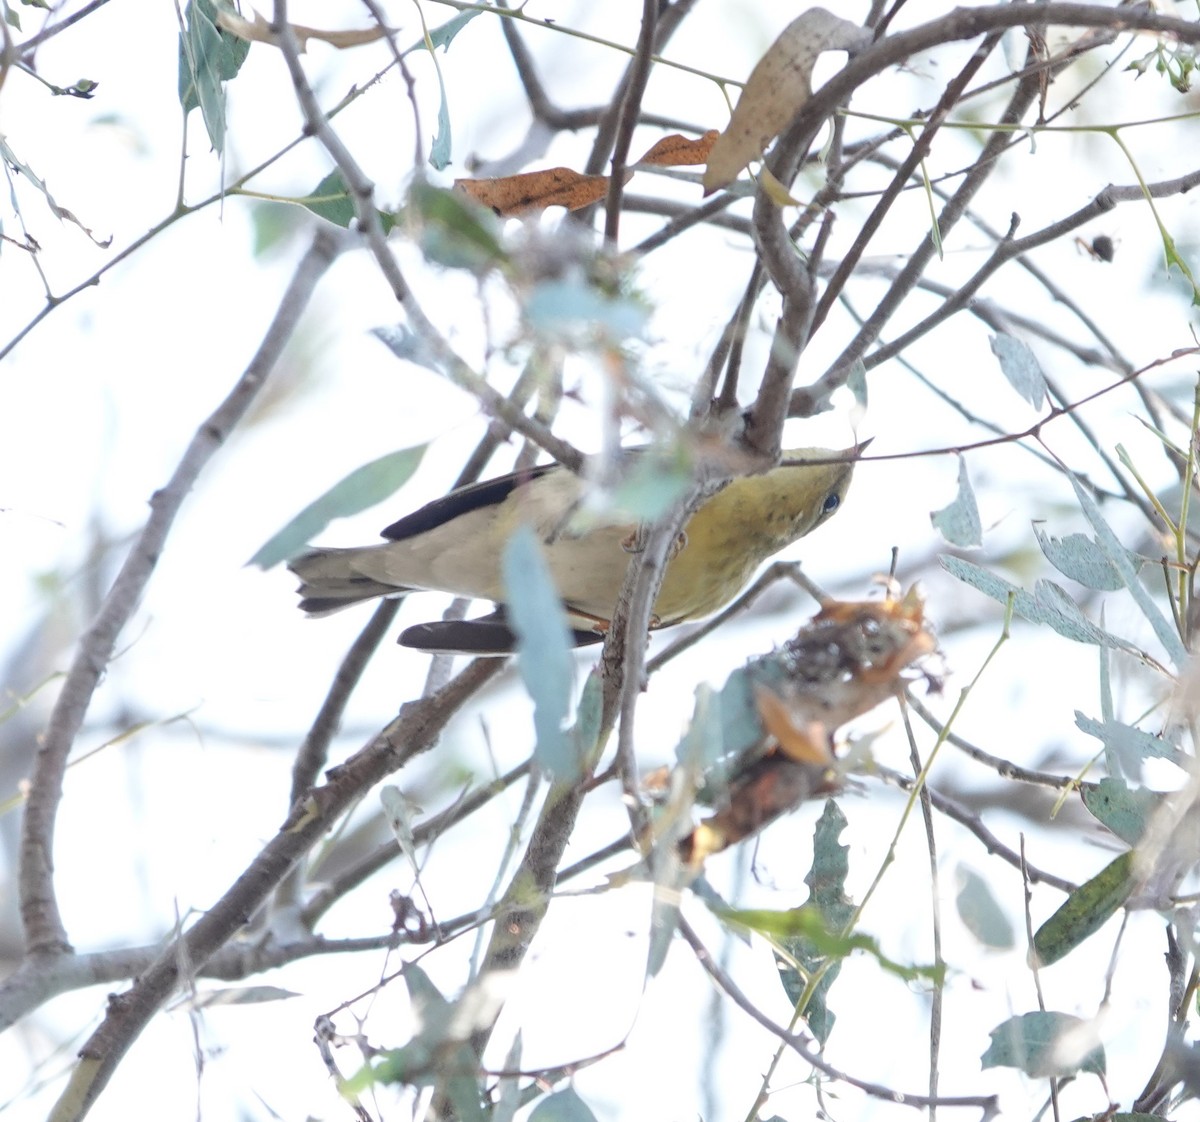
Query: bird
point(455, 544)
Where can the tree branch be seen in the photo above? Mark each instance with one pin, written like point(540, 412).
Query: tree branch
point(44, 931)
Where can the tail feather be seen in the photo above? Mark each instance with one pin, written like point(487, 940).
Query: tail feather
point(329, 582)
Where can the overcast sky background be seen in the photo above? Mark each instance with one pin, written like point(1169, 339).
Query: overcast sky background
point(100, 400)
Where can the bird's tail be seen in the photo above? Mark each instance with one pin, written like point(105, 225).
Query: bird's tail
point(329, 581)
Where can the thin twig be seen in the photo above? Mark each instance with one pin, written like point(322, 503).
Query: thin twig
point(800, 1044)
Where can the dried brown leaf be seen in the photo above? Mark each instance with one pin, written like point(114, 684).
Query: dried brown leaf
point(776, 91)
point(535, 190)
point(677, 150)
point(258, 30)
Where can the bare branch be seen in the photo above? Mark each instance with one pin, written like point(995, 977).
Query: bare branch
point(44, 932)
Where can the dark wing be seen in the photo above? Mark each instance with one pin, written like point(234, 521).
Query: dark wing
point(486, 635)
point(491, 492)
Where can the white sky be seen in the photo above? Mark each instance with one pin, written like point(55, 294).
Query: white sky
point(100, 400)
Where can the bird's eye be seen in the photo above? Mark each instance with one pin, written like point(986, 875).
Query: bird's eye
point(831, 503)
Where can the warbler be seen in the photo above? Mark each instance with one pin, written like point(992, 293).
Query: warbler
point(455, 543)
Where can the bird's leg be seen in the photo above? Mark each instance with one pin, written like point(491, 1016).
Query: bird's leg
point(629, 544)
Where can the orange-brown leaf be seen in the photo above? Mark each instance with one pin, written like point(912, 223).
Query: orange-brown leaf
point(677, 150)
point(535, 190)
point(803, 745)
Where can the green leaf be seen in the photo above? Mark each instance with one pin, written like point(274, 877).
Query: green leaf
point(208, 57)
point(572, 309)
point(856, 382)
point(453, 230)
point(331, 199)
point(9, 157)
point(443, 143)
point(562, 1106)
point(400, 810)
point(362, 488)
point(959, 522)
point(1041, 1044)
point(1078, 557)
point(1119, 557)
point(654, 483)
point(543, 651)
point(1130, 746)
point(1063, 614)
point(1052, 606)
point(241, 995)
point(439, 155)
point(444, 35)
point(980, 913)
point(806, 923)
point(826, 882)
point(508, 1097)
point(588, 716)
point(1020, 366)
point(409, 346)
point(1124, 810)
point(1085, 911)
point(439, 1047)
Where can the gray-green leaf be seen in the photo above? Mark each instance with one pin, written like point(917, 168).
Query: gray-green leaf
point(362, 488)
point(1041, 1044)
point(1124, 810)
point(1078, 557)
point(1119, 557)
point(208, 58)
point(1020, 366)
point(543, 649)
point(980, 913)
point(959, 522)
point(562, 1106)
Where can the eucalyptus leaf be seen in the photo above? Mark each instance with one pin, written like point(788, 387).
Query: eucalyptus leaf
point(400, 810)
point(508, 1096)
point(1040, 1044)
point(1020, 366)
point(543, 651)
point(571, 308)
point(856, 382)
point(1124, 810)
point(1052, 606)
point(443, 36)
point(1080, 558)
point(358, 491)
point(409, 346)
point(331, 199)
point(653, 484)
point(1131, 746)
point(1119, 557)
point(826, 880)
point(453, 230)
point(959, 522)
point(980, 913)
point(562, 1106)
point(1085, 911)
point(208, 58)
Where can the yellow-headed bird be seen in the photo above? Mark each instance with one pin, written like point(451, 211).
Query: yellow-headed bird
point(454, 544)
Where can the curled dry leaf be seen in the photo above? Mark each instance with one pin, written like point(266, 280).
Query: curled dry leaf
point(512, 195)
point(850, 657)
point(258, 30)
point(677, 150)
point(777, 89)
